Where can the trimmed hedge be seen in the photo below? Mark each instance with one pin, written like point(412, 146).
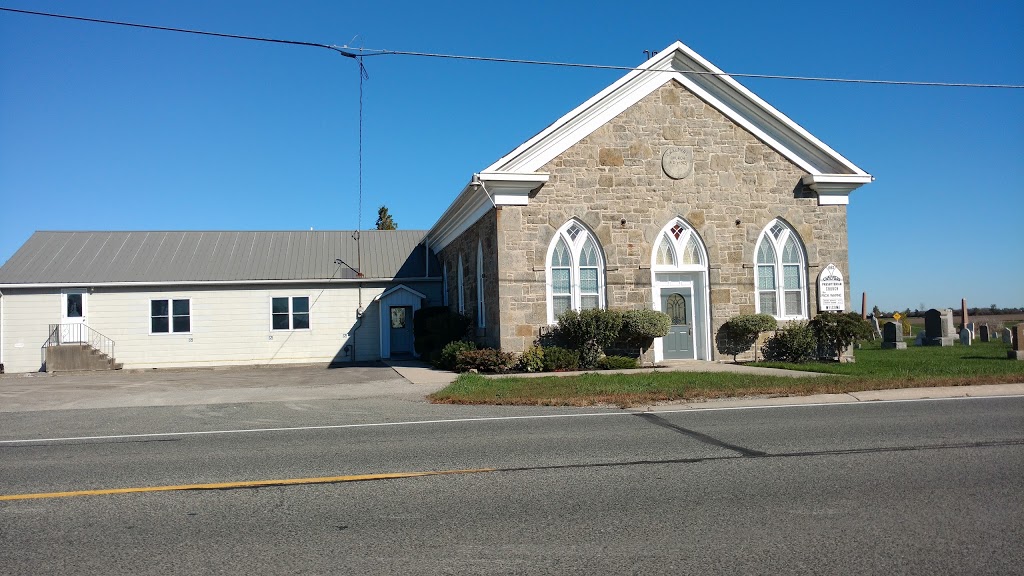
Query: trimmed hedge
point(739, 333)
point(794, 343)
point(448, 357)
point(485, 360)
point(434, 327)
point(558, 359)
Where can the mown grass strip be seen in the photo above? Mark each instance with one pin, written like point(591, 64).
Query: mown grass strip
point(875, 369)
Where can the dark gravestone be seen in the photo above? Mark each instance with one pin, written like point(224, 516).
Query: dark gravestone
point(983, 333)
point(935, 328)
point(892, 336)
point(1016, 353)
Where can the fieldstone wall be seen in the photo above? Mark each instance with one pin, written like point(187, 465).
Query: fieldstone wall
point(613, 182)
point(485, 231)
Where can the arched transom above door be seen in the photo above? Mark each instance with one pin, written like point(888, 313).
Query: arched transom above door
point(679, 247)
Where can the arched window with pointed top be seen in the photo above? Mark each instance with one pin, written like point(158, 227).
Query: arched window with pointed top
point(481, 311)
point(462, 293)
point(575, 271)
point(781, 272)
point(679, 248)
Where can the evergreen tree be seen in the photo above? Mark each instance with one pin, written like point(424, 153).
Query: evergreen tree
point(384, 221)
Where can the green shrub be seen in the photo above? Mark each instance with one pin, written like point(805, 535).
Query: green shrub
point(576, 329)
point(794, 343)
point(739, 333)
point(641, 327)
point(836, 331)
point(450, 353)
point(590, 355)
point(558, 359)
point(485, 360)
point(532, 359)
point(434, 327)
point(617, 363)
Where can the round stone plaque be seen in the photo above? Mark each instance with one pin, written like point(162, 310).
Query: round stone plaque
point(677, 162)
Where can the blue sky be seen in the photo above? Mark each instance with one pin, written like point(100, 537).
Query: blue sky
point(103, 127)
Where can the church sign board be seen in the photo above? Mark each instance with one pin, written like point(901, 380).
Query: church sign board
point(831, 290)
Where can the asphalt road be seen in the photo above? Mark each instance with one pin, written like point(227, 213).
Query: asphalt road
point(928, 487)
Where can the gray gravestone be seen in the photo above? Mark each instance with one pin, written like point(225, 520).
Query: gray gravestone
point(1007, 336)
point(921, 337)
point(892, 336)
point(965, 337)
point(1018, 335)
point(970, 326)
point(983, 333)
point(938, 327)
point(874, 326)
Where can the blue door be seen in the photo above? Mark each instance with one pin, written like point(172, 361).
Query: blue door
point(678, 304)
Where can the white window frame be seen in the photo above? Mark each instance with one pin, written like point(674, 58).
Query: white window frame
point(461, 286)
point(481, 310)
point(575, 248)
point(291, 313)
point(170, 316)
point(778, 244)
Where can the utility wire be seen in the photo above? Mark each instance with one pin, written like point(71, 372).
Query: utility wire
point(184, 30)
point(692, 72)
point(349, 52)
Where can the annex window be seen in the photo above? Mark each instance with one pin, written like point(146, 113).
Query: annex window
point(290, 313)
point(480, 310)
point(575, 271)
point(167, 316)
point(781, 272)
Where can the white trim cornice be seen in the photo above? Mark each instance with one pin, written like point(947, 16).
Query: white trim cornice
point(834, 189)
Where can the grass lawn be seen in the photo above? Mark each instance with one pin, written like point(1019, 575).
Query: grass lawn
point(982, 363)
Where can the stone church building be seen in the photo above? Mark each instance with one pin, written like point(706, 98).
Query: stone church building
point(672, 190)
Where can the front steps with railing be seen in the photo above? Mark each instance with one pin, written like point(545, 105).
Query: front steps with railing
point(65, 357)
point(77, 347)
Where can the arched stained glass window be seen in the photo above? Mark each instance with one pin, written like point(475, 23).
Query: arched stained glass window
point(575, 271)
point(691, 254)
point(781, 269)
point(666, 256)
point(678, 248)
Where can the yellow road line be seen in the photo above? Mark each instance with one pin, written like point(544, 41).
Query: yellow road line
point(249, 484)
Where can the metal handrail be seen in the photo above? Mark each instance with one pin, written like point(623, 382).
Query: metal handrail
point(77, 333)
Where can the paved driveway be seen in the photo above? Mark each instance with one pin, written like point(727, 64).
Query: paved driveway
point(176, 387)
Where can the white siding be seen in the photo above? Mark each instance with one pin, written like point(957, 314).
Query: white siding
point(26, 320)
point(228, 327)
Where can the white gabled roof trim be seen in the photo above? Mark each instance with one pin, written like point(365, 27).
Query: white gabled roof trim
point(389, 291)
point(717, 89)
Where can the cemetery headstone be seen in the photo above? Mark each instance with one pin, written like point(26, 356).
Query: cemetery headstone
point(970, 326)
point(983, 333)
point(1007, 336)
point(892, 337)
point(965, 337)
point(874, 326)
point(1017, 353)
point(921, 337)
point(938, 327)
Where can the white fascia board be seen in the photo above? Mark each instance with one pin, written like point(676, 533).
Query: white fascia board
point(469, 206)
point(511, 188)
point(713, 86)
point(210, 283)
point(390, 291)
point(834, 189)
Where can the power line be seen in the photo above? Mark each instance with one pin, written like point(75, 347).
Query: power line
point(692, 72)
point(359, 52)
point(184, 30)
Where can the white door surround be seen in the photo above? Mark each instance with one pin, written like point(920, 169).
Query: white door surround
point(679, 264)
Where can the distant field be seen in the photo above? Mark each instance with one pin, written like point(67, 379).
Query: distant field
point(990, 319)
